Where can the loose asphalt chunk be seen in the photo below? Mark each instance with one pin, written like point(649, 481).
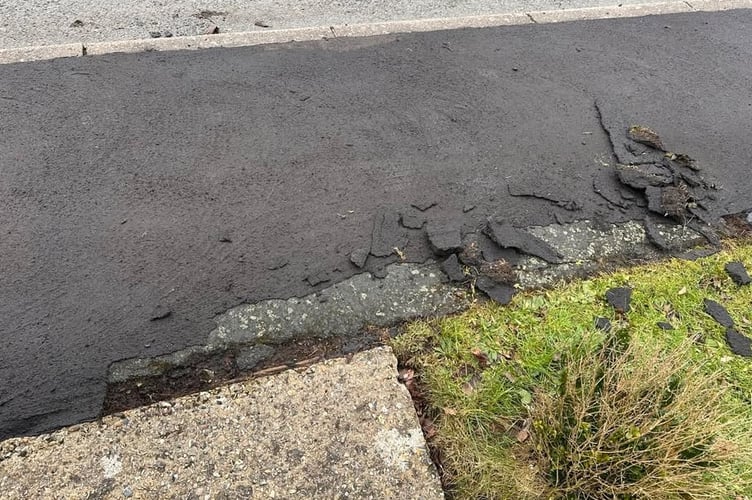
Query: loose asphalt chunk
point(507, 236)
point(653, 230)
point(643, 176)
point(387, 234)
point(359, 256)
point(499, 292)
point(603, 324)
point(452, 268)
point(654, 195)
point(317, 278)
point(664, 325)
point(738, 273)
point(619, 298)
point(444, 239)
point(343, 428)
point(718, 313)
point(739, 344)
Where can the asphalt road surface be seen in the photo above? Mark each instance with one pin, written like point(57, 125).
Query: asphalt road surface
point(186, 183)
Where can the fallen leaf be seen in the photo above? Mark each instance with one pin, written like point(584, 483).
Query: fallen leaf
point(481, 356)
point(523, 435)
point(450, 411)
point(683, 290)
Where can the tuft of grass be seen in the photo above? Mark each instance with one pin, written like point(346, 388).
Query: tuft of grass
point(485, 372)
point(636, 421)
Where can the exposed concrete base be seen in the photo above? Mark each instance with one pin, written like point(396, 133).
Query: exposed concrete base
point(340, 429)
point(248, 335)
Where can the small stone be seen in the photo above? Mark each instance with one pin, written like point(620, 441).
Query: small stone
point(739, 344)
point(619, 298)
point(77, 23)
point(155, 34)
point(212, 29)
point(444, 239)
point(664, 325)
point(499, 292)
point(453, 270)
point(127, 492)
point(718, 313)
point(359, 256)
point(749, 218)
point(738, 273)
point(603, 324)
point(468, 207)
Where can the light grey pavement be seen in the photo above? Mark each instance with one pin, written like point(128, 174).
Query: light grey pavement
point(43, 22)
point(339, 429)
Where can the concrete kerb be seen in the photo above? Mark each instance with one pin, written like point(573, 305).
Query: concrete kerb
point(240, 39)
point(40, 53)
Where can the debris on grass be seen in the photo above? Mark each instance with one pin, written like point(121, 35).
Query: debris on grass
point(485, 376)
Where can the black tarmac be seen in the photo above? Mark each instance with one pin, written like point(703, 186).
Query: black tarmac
point(141, 195)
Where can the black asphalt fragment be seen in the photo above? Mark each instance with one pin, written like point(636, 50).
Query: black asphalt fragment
point(603, 324)
point(452, 268)
point(738, 273)
point(507, 236)
point(188, 145)
point(499, 292)
point(718, 313)
point(739, 344)
point(619, 298)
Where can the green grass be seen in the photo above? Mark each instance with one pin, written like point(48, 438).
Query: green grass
point(483, 371)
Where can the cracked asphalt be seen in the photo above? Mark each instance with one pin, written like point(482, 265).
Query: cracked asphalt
point(145, 194)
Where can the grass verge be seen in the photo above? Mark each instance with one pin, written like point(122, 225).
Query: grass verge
point(532, 400)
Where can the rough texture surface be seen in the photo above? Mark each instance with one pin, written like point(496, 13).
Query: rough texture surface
point(340, 429)
point(123, 174)
point(34, 22)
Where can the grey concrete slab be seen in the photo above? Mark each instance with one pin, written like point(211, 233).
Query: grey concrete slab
point(145, 194)
point(39, 22)
point(339, 429)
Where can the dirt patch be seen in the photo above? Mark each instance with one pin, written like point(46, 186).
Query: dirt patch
point(209, 371)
